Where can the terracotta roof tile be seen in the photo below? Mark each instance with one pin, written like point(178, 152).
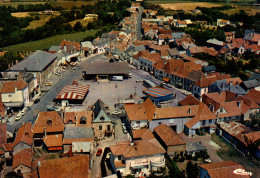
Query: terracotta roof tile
point(8, 147)
point(74, 167)
point(23, 157)
point(223, 169)
point(138, 148)
point(9, 87)
point(119, 164)
point(24, 134)
point(3, 133)
point(144, 134)
point(55, 122)
point(168, 136)
point(254, 95)
point(189, 100)
point(53, 140)
point(71, 116)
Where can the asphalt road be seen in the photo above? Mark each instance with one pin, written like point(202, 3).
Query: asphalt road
point(139, 24)
point(59, 83)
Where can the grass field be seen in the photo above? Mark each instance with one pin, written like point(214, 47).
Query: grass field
point(15, 4)
point(187, 6)
point(251, 10)
point(84, 22)
point(48, 42)
point(70, 4)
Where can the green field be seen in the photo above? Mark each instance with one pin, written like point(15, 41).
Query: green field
point(48, 42)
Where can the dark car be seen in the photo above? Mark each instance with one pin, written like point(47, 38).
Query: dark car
point(99, 152)
point(36, 101)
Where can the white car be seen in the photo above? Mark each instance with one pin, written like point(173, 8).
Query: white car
point(116, 113)
point(139, 80)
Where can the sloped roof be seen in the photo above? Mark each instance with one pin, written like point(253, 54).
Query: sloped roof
point(76, 167)
point(144, 134)
point(142, 111)
point(9, 87)
point(189, 100)
point(53, 140)
point(224, 169)
point(24, 134)
point(138, 148)
point(168, 136)
point(3, 133)
point(254, 95)
point(23, 157)
point(71, 116)
point(107, 68)
point(56, 125)
point(35, 62)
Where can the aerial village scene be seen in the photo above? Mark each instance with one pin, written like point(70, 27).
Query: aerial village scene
point(120, 88)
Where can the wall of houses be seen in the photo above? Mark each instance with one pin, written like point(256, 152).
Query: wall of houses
point(101, 128)
point(178, 122)
point(22, 168)
point(139, 124)
point(198, 92)
point(177, 149)
point(249, 112)
point(16, 97)
point(145, 64)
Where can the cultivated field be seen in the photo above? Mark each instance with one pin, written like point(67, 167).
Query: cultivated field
point(15, 4)
point(48, 42)
point(251, 10)
point(187, 6)
point(70, 4)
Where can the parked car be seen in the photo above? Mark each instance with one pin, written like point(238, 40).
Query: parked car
point(116, 112)
point(48, 84)
point(139, 80)
point(99, 152)
point(36, 101)
point(18, 117)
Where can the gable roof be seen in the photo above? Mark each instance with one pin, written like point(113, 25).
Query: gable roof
point(223, 169)
point(3, 133)
point(168, 136)
point(9, 87)
point(144, 134)
point(24, 134)
point(76, 167)
point(35, 62)
point(72, 134)
point(142, 111)
point(254, 95)
point(53, 140)
point(23, 157)
point(40, 124)
point(189, 100)
point(71, 116)
point(138, 148)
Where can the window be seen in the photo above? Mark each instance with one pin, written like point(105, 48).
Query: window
point(159, 123)
point(100, 127)
point(210, 121)
point(119, 158)
point(49, 122)
point(102, 118)
point(19, 171)
point(138, 122)
point(221, 110)
point(108, 128)
point(70, 121)
point(83, 120)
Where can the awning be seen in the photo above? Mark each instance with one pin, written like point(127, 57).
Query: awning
point(166, 79)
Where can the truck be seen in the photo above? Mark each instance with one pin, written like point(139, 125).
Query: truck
point(117, 78)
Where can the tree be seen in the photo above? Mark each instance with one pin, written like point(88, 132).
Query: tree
point(78, 26)
point(143, 15)
point(192, 170)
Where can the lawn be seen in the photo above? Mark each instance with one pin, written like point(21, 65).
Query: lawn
point(84, 22)
point(229, 153)
point(187, 6)
point(48, 42)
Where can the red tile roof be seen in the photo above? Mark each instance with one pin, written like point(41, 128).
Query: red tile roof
point(71, 116)
point(53, 117)
point(254, 95)
point(53, 140)
point(138, 148)
point(168, 136)
point(24, 134)
point(223, 169)
point(3, 133)
point(189, 100)
point(73, 167)
point(23, 157)
point(77, 45)
point(144, 134)
point(165, 36)
point(143, 111)
point(8, 147)
point(9, 87)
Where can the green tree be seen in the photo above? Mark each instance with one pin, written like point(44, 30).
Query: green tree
point(192, 170)
point(78, 26)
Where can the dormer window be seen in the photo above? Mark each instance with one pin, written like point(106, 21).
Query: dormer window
point(221, 110)
point(49, 123)
point(70, 122)
point(83, 120)
point(102, 118)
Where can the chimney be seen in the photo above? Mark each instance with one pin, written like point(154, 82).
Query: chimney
point(45, 131)
point(239, 104)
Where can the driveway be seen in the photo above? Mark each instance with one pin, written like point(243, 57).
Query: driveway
point(206, 141)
